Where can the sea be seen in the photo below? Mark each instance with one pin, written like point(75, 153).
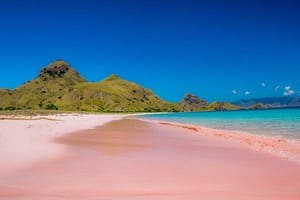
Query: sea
point(283, 123)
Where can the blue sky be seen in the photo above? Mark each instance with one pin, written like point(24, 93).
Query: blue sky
point(210, 48)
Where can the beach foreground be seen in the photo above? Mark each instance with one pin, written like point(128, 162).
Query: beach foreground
point(133, 159)
point(25, 140)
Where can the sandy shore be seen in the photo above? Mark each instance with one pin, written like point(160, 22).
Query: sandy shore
point(132, 159)
point(27, 139)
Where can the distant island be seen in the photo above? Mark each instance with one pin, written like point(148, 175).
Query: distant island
point(59, 87)
point(271, 102)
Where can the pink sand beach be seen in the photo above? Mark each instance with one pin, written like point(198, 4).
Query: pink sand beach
point(109, 157)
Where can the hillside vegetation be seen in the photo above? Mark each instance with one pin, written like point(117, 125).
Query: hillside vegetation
point(59, 87)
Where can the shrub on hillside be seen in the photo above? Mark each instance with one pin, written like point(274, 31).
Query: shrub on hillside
point(10, 108)
point(51, 107)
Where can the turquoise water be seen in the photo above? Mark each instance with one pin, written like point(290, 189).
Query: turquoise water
point(275, 122)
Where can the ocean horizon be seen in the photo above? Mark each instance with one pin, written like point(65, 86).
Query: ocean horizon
point(284, 122)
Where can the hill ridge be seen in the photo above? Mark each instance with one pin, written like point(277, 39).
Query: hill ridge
point(59, 86)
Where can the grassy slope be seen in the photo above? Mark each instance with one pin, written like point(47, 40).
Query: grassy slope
point(6, 97)
point(113, 94)
point(42, 91)
point(58, 86)
point(219, 106)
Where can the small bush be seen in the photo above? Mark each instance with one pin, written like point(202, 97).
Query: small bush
point(10, 108)
point(156, 110)
point(51, 107)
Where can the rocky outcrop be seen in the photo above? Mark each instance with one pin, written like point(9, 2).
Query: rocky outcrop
point(58, 69)
point(192, 103)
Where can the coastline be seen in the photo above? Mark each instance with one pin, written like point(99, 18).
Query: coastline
point(278, 146)
point(132, 159)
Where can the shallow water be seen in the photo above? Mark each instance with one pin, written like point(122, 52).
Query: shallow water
point(274, 122)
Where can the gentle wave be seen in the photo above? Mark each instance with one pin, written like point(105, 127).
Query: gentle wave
point(277, 122)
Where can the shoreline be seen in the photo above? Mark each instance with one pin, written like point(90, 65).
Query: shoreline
point(278, 146)
point(132, 159)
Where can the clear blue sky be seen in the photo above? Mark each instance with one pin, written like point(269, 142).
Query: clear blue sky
point(208, 48)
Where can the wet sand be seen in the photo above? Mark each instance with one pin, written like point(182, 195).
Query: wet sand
point(132, 159)
point(278, 146)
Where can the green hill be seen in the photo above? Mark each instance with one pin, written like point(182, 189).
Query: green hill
point(44, 91)
point(192, 103)
point(220, 106)
point(113, 94)
point(59, 87)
